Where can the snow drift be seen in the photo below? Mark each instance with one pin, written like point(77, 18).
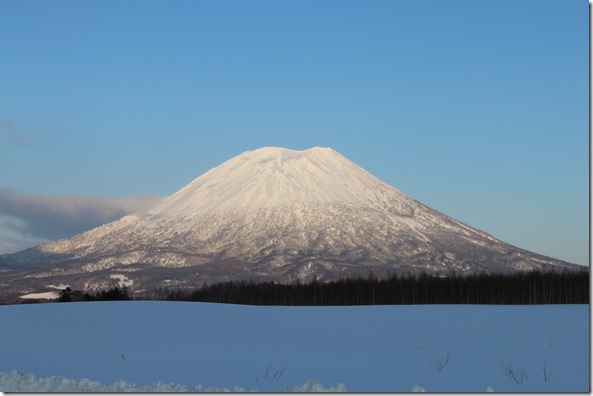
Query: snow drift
point(15, 381)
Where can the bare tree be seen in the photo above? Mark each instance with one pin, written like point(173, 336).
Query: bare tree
point(276, 375)
point(546, 373)
point(441, 364)
point(484, 367)
point(280, 372)
point(268, 369)
point(515, 374)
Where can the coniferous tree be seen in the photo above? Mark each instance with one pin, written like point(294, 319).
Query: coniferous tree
point(65, 295)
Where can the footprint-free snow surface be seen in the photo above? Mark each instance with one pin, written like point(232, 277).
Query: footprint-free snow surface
point(169, 346)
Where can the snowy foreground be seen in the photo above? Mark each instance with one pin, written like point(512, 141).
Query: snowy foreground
point(193, 347)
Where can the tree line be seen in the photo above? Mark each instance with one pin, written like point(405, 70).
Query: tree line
point(506, 289)
point(509, 289)
point(113, 294)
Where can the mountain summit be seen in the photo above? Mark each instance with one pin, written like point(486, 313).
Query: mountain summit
point(273, 177)
point(270, 214)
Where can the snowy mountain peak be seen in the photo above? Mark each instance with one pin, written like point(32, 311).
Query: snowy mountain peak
point(269, 152)
point(273, 177)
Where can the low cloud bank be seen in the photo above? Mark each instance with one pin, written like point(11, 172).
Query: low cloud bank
point(34, 217)
point(16, 381)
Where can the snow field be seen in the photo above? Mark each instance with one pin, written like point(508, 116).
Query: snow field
point(173, 345)
point(16, 381)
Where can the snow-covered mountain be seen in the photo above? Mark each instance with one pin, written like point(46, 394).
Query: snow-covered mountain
point(270, 214)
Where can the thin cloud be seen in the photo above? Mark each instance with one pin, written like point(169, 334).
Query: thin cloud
point(11, 133)
point(13, 242)
point(53, 217)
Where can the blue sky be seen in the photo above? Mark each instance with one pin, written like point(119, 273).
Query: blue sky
point(478, 109)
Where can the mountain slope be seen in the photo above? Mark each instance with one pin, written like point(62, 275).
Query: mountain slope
point(272, 214)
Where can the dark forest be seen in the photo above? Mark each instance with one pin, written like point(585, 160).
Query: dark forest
point(517, 289)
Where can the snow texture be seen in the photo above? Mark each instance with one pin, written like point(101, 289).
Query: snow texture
point(15, 381)
point(171, 346)
point(40, 296)
point(276, 177)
